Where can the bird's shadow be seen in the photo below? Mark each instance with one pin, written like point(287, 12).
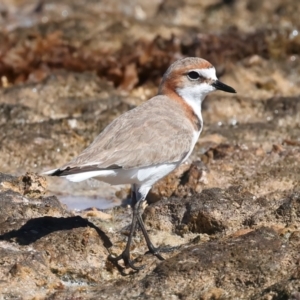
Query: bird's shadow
point(37, 228)
point(34, 229)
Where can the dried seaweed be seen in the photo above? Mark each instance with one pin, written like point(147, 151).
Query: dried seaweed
point(32, 56)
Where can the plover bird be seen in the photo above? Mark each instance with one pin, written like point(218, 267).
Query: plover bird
point(148, 142)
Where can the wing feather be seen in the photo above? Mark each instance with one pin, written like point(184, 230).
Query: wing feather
point(144, 136)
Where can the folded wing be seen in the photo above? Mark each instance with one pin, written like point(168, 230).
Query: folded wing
point(148, 135)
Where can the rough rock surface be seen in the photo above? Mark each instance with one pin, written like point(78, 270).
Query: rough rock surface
point(68, 68)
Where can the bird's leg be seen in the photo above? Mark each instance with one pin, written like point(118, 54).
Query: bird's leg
point(150, 246)
point(154, 250)
point(125, 255)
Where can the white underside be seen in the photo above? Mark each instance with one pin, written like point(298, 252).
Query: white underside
point(144, 177)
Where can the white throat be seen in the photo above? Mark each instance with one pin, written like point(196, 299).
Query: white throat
point(194, 95)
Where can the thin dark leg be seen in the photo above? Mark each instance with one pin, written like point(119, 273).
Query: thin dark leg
point(154, 250)
point(136, 200)
point(125, 255)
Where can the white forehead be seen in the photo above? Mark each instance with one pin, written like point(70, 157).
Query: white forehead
point(209, 73)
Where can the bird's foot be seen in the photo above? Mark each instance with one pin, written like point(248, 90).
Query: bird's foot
point(125, 256)
point(157, 250)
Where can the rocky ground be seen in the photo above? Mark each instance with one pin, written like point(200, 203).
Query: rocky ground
point(68, 68)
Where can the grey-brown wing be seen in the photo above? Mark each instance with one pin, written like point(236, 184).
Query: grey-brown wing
point(152, 133)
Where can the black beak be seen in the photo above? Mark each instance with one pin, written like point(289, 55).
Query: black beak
point(223, 87)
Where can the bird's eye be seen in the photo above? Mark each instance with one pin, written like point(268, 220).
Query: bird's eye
point(193, 75)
